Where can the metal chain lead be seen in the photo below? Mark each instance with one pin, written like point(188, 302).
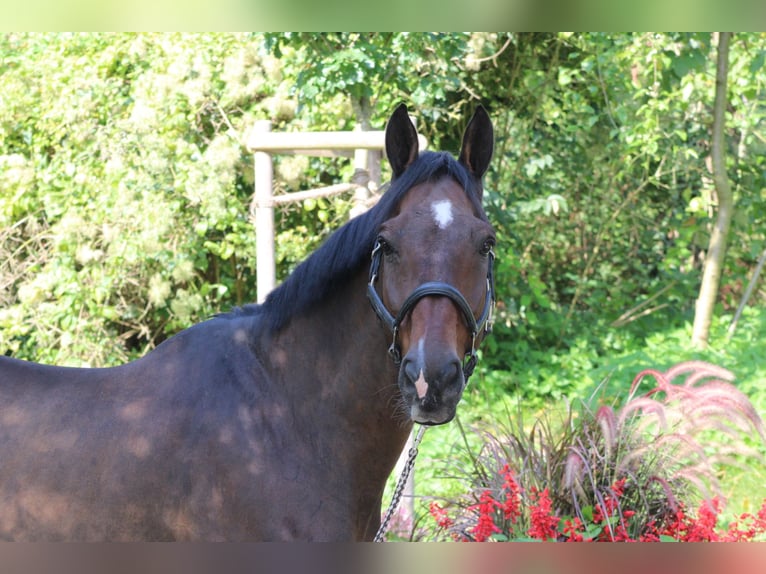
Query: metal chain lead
point(399, 490)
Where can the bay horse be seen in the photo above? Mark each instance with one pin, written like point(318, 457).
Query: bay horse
point(279, 421)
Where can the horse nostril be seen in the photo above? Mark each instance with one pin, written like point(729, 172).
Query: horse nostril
point(411, 370)
point(451, 372)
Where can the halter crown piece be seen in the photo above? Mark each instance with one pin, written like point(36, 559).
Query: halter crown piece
point(437, 289)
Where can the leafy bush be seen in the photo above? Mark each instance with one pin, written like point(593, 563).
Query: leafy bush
point(122, 214)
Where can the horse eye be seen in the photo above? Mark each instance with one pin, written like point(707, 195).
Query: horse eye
point(487, 246)
point(385, 246)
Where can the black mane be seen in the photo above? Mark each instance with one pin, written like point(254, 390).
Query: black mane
point(349, 248)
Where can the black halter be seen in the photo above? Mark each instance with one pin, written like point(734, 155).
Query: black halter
point(438, 289)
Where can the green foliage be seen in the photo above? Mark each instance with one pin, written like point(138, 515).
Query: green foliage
point(128, 173)
point(618, 127)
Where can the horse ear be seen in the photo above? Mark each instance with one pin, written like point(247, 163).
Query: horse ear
point(478, 143)
point(401, 141)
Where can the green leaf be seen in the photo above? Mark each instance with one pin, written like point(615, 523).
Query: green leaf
point(526, 300)
point(524, 539)
point(592, 531)
point(688, 61)
point(757, 63)
point(227, 250)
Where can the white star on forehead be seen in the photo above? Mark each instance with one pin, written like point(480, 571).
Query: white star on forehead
point(442, 211)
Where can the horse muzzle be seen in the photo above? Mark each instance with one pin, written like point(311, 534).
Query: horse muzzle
point(431, 395)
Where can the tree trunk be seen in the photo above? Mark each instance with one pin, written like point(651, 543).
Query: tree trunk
point(718, 238)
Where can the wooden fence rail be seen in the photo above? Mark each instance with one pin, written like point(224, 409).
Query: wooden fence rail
point(367, 147)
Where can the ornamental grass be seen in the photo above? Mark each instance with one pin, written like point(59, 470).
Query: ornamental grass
point(645, 470)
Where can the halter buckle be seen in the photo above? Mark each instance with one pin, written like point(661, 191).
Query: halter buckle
point(394, 351)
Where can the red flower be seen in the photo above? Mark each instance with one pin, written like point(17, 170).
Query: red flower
point(703, 529)
point(573, 530)
point(598, 517)
point(762, 513)
point(620, 533)
point(485, 525)
point(543, 523)
point(677, 528)
point(650, 533)
point(618, 488)
point(512, 504)
point(611, 500)
point(736, 533)
point(496, 510)
point(440, 515)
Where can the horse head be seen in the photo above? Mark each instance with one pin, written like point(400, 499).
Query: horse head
point(431, 277)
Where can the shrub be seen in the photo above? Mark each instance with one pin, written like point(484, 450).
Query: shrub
point(630, 473)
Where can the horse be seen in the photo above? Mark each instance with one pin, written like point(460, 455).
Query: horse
point(276, 421)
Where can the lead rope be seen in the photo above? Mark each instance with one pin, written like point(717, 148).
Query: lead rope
point(397, 496)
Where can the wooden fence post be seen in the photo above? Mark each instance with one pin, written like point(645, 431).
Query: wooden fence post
point(361, 179)
point(264, 217)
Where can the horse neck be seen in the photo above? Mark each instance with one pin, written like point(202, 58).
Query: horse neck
point(338, 382)
point(335, 361)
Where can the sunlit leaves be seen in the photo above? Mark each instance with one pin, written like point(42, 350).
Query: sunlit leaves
point(124, 150)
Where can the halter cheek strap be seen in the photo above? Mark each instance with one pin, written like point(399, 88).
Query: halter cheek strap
point(433, 289)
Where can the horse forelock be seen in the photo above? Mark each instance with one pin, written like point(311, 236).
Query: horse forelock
point(347, 250)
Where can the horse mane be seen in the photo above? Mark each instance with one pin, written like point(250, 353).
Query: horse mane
point(348, 249)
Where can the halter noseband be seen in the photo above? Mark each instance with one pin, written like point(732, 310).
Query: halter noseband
point(433, 289)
